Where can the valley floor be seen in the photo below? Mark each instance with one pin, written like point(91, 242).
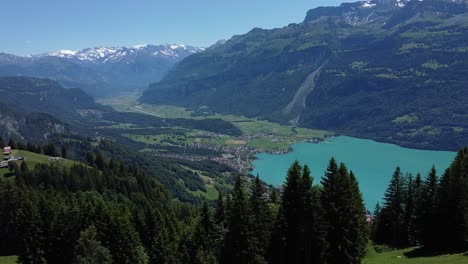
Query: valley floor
point(257, 135)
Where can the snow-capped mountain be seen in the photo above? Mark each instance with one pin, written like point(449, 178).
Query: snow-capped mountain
point(370, 11)
point(99, 55)
point(100, 70)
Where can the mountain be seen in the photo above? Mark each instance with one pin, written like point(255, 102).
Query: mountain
point(36, 95)
point(100, 71)
point(391, 70)
point(34, 127)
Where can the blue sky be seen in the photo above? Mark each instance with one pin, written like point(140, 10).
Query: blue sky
point(36, 26)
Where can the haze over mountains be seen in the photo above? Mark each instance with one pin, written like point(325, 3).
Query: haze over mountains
point(391, 70)
point(100, 71)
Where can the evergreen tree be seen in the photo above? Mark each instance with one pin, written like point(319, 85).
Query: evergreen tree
point(238, 240)
point(286, 245)
point(343, 213)
point(427, 203)
point(273, 196)
point(392, 215)
point(414, 193)
point(360, 228)
point(298, 235)
point(314, 226)
point(206, 238)
point(12, 143)
point(2, 143)
point(261, 218)
point(64, 152)
point(220, 211)
point(89, 249)
point(451, 208)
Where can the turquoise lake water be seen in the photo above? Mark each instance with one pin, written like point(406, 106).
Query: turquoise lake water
point(372, 162)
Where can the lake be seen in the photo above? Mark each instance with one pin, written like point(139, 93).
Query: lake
point(372, 162)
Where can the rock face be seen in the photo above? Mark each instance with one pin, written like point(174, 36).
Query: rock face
point(35, 127)
point(100, 71)
point(380, 62)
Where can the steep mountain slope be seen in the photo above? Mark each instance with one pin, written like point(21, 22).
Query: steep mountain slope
point(35, 127)
point(35, 95)
point(391, 70)
point(99, 71)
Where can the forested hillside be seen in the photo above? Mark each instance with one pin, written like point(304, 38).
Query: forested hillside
point(108, 212)
point(385, 70)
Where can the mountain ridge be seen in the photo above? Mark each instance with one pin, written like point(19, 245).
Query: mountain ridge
point(100, 71)
point(413, 46)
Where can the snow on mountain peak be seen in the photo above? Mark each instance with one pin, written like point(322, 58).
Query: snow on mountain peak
point(114, 54)
point(140, 46)
point(62, 53)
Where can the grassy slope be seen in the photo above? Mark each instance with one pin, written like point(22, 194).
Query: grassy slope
point(401, 257)
point(32, 159)
point(265, 135)
point(8, 259)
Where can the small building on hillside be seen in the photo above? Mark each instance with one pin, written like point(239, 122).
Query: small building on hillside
point(7, 151)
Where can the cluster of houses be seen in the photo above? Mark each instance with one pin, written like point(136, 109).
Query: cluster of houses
point(6, 157)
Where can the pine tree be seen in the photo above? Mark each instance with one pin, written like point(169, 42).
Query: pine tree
point(392, 214)
point(12, 143)
point(237, 243)
point(360, 228)
point(286, 244)
point(426, 209)
point(413, 195)
point(206, 238)
point(451, 209)
point(261, 217)
point(314, 226)
point(341, 203)
point(220, 211)
point(63, 152)
point(89, 249)
point(2, 143)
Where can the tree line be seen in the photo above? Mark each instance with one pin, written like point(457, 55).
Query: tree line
point(106, 212)
point(430, 211)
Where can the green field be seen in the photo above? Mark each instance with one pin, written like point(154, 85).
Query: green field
point(8, 259)
point(32, 159)
point(257, 133)
point(401, 256)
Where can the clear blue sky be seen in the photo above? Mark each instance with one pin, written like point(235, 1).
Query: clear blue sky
point(36, 26)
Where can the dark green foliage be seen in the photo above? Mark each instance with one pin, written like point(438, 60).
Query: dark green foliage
point(12, 143)
point(298, 234)
point(206, 238)
point(220, 216)
point(50, 150)
point(411, 218)
point(392, 214)
point(261, 219)
point(237, 243)
point(427, 203)
point(89, 250)
point(45, 96)
point(432, 213)
point(451, 205)
point(344, 214)
point(208, 124)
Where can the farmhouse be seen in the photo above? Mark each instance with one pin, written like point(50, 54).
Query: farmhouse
point(7, 151)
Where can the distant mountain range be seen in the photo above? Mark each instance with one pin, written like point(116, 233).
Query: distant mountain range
point(392, 70)
point(100, 71)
